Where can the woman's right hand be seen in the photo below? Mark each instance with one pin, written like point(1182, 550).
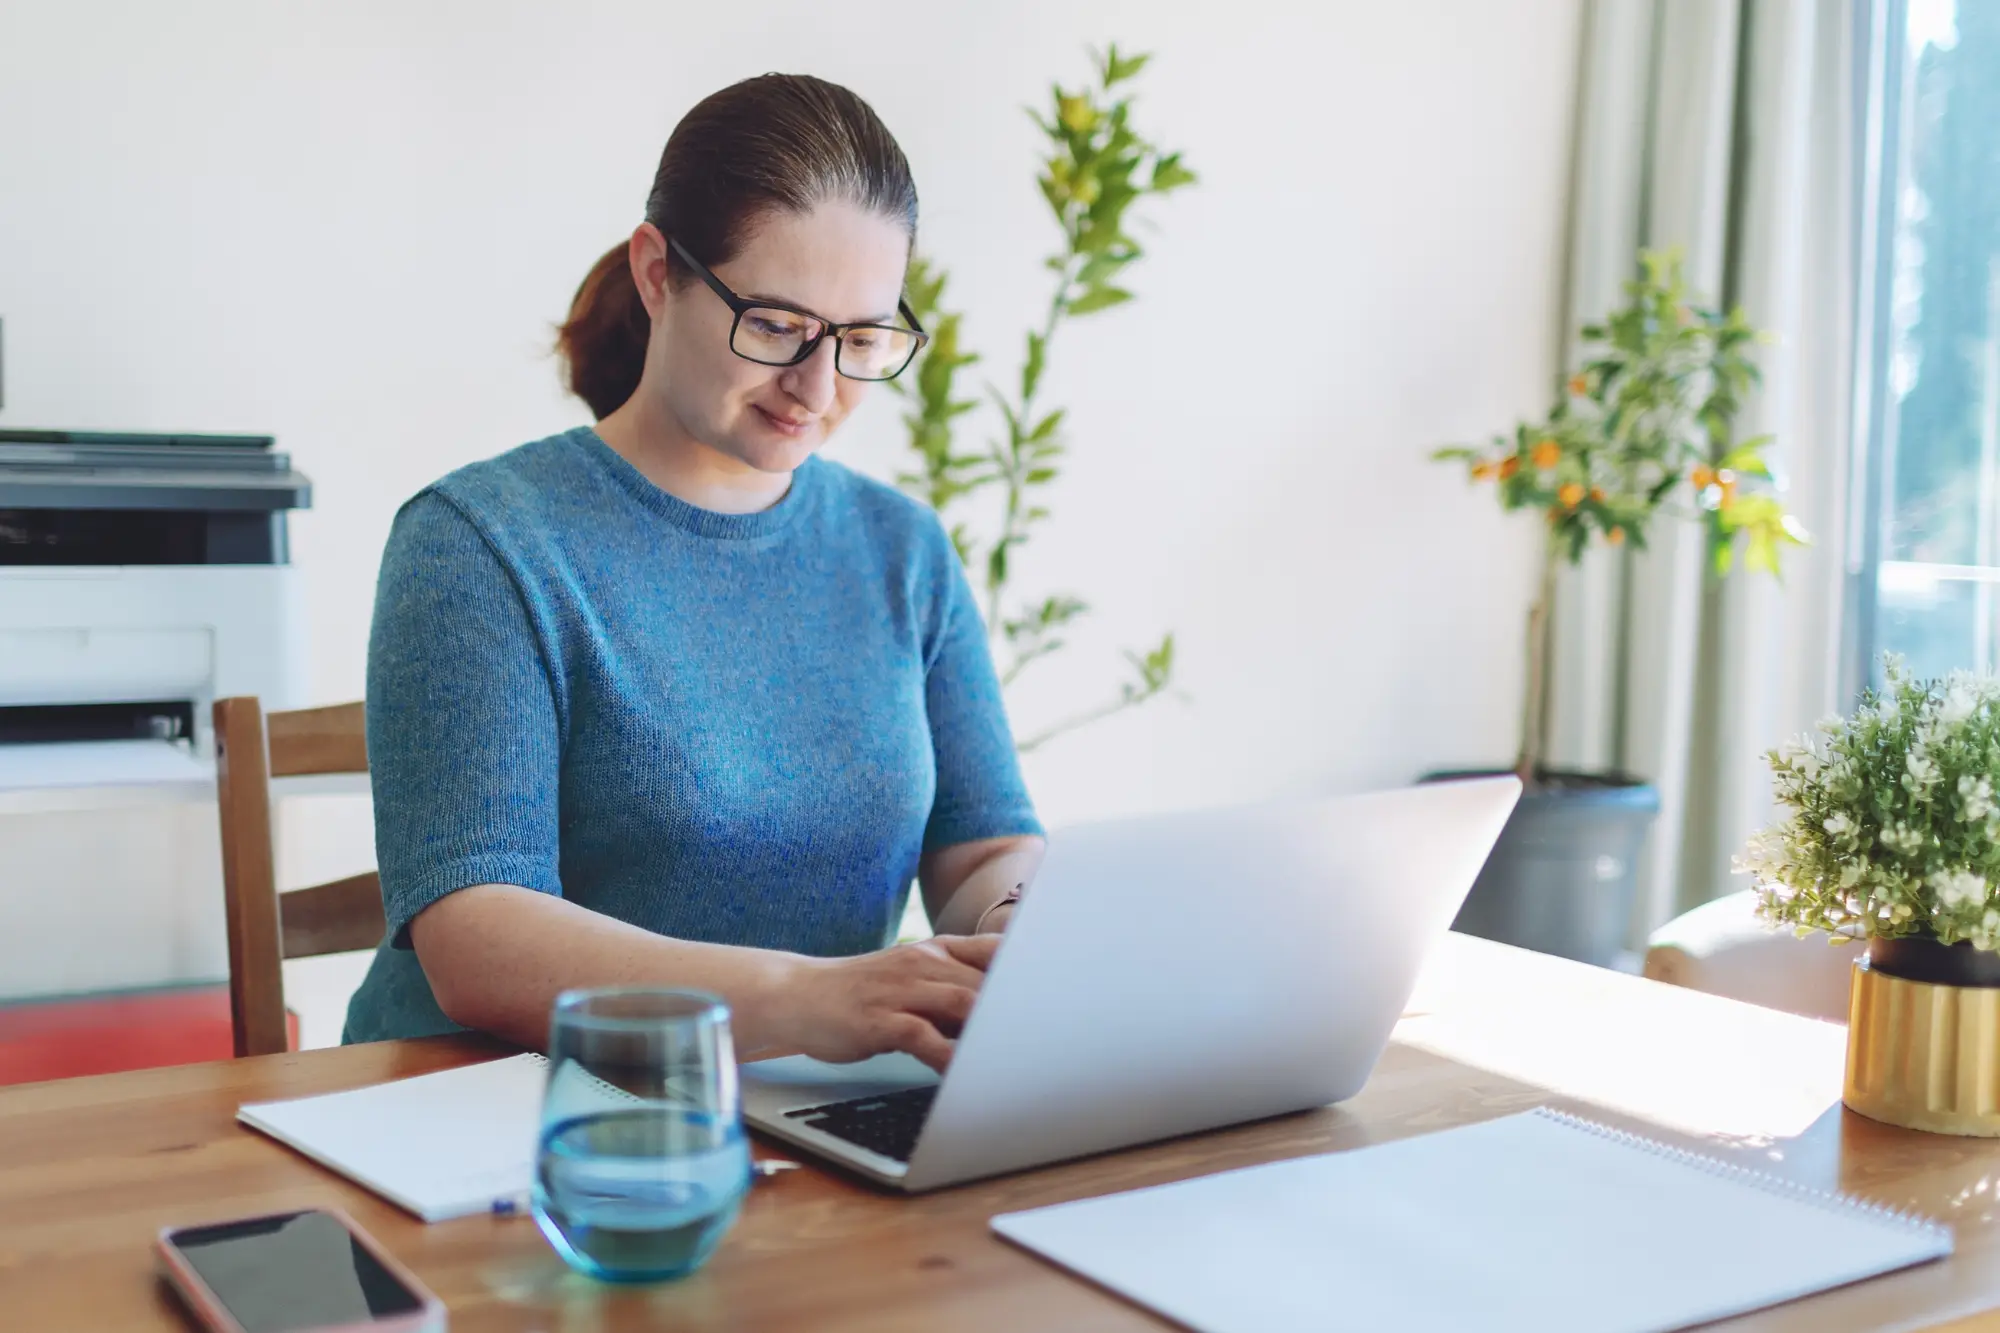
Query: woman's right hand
point(912, 997)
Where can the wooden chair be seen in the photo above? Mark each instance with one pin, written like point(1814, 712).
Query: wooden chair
point(265, 928)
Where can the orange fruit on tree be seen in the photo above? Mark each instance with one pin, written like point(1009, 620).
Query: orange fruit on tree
point(1616, 536)
point(1509, 466)
point(1570, 495)
point(1547, 454)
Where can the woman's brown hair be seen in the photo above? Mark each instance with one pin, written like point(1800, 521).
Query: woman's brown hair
point(779, 142)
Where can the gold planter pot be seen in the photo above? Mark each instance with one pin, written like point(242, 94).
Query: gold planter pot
point(1923, 1055)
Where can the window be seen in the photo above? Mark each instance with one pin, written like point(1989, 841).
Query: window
point(1927, 584)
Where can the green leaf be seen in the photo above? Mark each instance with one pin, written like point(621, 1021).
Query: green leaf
point(1047, 426)
point(1099, 267)
point(1119, 68)
point(1169, 174)
point(1097, 237)
point(1031, 370)
point(996, 564)
point(1155, 670)
point(1059, 609)
point(1099, 298)
point(1760, 553)
point(1747, 459)
point(1039, 476)
point(1115, 191)
point(1014, 436)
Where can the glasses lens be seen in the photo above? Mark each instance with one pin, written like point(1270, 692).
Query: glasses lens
point(875, 351)
point(773, 336)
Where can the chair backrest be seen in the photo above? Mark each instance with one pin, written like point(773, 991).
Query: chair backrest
point(265, 927)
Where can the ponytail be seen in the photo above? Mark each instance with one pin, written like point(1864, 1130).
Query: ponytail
point(603, 342)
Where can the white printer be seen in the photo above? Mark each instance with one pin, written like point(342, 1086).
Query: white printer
point(141, 578)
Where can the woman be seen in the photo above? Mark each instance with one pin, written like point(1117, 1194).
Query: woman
point(674, 701)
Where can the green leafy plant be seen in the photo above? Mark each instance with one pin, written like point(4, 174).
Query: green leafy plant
point(1097, 167)
point(1891, 827)
point(1646, 424)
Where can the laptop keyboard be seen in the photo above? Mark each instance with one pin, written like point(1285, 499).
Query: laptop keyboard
point(888, 1124)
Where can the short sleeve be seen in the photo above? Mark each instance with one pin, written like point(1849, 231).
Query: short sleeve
point(464, 739)
point(980, 792)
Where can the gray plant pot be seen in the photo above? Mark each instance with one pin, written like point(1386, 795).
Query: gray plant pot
point(1565, 872)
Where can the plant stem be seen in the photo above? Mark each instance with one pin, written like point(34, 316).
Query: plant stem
point(1011, 465)
point(1083, 719)
point(1021, 663)
point(1535, 704)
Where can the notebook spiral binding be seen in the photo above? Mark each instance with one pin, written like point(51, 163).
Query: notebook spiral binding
point(1831, 1200)
point(601, 1086)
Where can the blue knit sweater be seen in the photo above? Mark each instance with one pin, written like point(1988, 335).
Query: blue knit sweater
point(735, 728)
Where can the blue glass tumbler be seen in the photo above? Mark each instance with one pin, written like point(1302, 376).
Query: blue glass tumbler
point(642, 1162)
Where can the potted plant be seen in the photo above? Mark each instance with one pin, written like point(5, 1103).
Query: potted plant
point(1646, 425)
point(1891, 834)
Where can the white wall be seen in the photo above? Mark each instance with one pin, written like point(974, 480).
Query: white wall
point(351, 225)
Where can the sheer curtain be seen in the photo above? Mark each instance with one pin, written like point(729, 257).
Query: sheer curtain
point(1726, 128)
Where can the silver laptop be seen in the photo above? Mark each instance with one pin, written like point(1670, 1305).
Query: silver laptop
point(1164, 976)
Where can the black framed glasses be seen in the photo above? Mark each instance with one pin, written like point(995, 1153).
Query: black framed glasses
point(783, 335)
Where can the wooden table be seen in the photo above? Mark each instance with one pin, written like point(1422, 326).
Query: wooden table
point(91, 1168)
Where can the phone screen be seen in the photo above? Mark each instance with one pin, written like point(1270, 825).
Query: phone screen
point(293, 1271)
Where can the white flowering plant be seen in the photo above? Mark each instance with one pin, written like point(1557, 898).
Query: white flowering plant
point(1891, 826)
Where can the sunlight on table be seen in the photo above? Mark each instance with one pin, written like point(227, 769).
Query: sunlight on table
point(1691, 1062)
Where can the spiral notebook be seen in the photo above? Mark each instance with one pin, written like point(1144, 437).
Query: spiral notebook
point(440, 1145)
point(1539, 1221)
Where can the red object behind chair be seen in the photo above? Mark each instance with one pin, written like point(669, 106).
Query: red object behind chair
point(108, 1034)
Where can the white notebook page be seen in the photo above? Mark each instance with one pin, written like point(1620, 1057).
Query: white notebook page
point(440, 1145)
point(1531, 1222)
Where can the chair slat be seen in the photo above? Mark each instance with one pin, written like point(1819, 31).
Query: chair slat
point(319, 740)
point(332, 918)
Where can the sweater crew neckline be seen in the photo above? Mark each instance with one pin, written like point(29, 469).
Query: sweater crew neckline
point(695, 520)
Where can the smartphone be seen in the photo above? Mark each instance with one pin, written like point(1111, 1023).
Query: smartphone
point(314, 1271)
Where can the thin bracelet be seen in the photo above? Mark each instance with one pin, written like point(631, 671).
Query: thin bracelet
point(1007, 899)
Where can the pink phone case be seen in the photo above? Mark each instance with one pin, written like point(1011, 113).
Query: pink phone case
point(215, 1317)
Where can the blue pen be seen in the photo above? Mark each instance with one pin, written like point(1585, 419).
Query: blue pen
point(510, 1205)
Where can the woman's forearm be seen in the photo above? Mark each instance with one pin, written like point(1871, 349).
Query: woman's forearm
point(497, 955)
